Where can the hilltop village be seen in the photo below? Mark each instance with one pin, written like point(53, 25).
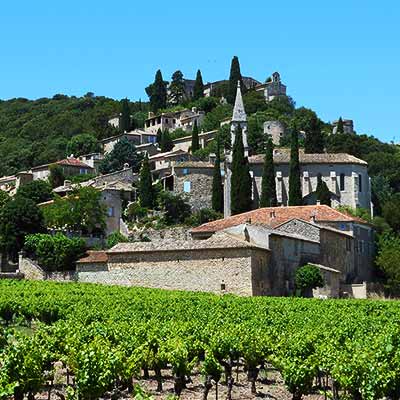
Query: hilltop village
point(166, 202)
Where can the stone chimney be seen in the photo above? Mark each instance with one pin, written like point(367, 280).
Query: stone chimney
point(211, 158)
point(313, 217)
point(272, 214)
point(151, 114)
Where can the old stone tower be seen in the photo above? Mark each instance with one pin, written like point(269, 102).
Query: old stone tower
point(239, 120)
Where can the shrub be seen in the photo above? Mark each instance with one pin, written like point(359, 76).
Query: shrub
point(115, 238)
point(55, 252)
point(307, 278)
point(135, 212)
point(175, 207)
point(203, 216)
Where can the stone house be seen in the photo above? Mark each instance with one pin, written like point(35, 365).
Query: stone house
point(275, 130)
point(272, 88)
point(348, 126)
point(347, 243)
point(93, 160)
point(222, 264)
point(70, 166)
point(185, 143)
point(184, 119)
point(136, 137)
point(162, 161)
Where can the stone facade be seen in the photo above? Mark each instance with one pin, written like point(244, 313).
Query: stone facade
point(185, 143)
point(348, 126)
point(137, 137)
point(276, 130)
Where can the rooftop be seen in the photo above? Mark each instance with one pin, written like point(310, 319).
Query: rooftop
point(94, 257)
point(282, 156)
point(275, 216)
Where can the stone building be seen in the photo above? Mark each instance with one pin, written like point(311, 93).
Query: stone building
point(184, 119)
point(272, 88)
point(276, 130)
point(163, 161)
point(347, 243)
point(348, 126)
point(93, 160)
point(213, 88)
point(137, 137)
point(185, 143)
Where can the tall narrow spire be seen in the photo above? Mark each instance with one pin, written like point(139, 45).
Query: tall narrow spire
point(239, 114)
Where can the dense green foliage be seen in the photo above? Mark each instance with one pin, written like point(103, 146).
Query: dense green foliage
point(235, 76)
point(37, 191)
point(55, 252)
point(241, 185)
point(80, 211)
point(198, 89)
point(57, 176)
point(83, 144)
point(295, 196)
point(322, 192)
point(166, 141)
point(268, 185)
point(115, 238)
point(125, 124)
point(18, 218)
point(36, 132)
point(217, 194)
point(157, 92)
point(145, 185)
point(308, 277)
point(314, 141)
point(107, 335)
point(176, 88)
point(176, 209)
point(124, 152)
point(195, 138)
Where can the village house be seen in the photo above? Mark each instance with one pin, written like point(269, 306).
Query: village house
point(272, 88)
point(185, 143)
point(93, 160)
point(184, 119)
point(137, 137)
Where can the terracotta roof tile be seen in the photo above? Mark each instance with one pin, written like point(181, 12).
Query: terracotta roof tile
point(274, 216)
point(73, 162)
point(94, 257)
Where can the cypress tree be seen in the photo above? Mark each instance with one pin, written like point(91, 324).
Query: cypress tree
point(125, 117)
point(146, 193)
point(217, 199)
point(241, 184)
point(322, 192)
point(198, 89)
point(295, 196)
point(268, 186)
point(195, 137)
point(159, 136)
point(340, 126)
point(166, 142)
point(314, 141)
point(157, 93)
point(234, 77)
point(176, 88)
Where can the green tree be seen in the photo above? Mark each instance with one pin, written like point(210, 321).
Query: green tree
point(340, 126)
point(57, 176)
point(217, 198)
point(198, 89)
point(241, 185)
point(176, 88)
point(295, 196)
point(81, 211)
point(322, 192)
point(391, 212)
point(234, 77)
point(115, 238)
point(176, 209)
point(124, 152)
point(4, 198)
point(314, 141)
point(18, 218)
point(166, 141)
point(307, 278)
point(157, 93)
point(195, 138)
point(125, 122)
point(84, 143)
point(38, 191)
point(268, 186)
point(145, 187)
point(159, 136)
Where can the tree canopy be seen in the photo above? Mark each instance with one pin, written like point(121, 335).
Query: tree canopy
point(198, 89)
point(157, 92)
point(234, 76)
point(84, 143)
point(268, 185)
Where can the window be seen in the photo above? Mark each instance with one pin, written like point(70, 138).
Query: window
point(186, 186)
point(82, 171)
point(342, 187)
point(185, 171)
point(111, 212)
point(360, 183)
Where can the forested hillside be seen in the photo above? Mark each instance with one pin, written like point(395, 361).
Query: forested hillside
point(34, 132)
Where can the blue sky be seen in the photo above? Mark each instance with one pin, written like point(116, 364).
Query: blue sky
point(340, 58)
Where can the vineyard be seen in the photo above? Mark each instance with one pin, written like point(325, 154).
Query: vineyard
point(107, 339)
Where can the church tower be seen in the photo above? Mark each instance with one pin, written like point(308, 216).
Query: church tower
point(239, 120)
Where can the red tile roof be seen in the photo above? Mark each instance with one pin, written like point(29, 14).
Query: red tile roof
point(73, 162)
point(94, 257)
point(274, 216)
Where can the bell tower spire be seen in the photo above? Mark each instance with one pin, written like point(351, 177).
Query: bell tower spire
point(239, 120)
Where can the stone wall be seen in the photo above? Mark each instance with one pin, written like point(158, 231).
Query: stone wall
point(216, 271)
point(31, 269)
point(275, 130)
point(301, 228)
point(178, 233)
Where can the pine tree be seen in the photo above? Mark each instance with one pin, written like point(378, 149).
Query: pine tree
point(241, 185)
point(234, 77)
point(340, 126)
point(159, 136)
point(157, 93)
point(314, 141)
point(268, 186)
point(176, 88)
point(166, 142)
point(295, 196)
point(195, 137)
point(125, 117)
point(322, 192)
point(217, 199)
point(146, 193)
point(198, 89)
